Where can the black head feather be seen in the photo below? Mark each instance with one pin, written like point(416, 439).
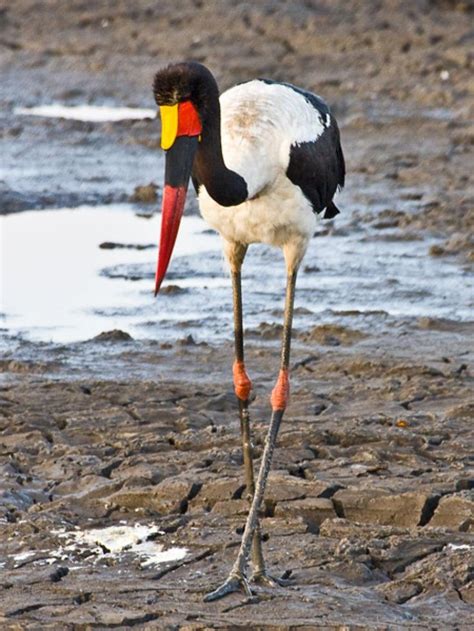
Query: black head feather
point(191, 81)
point(186, 81)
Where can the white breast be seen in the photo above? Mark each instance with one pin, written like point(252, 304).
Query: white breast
point(259, 123)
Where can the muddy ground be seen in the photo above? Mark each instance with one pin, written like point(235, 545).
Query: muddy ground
point(369, 509)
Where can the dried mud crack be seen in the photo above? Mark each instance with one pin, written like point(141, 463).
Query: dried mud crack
point(370, 504)
point(378, 514)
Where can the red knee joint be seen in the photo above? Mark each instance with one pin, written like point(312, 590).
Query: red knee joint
point(281, 391)
point(242, 383)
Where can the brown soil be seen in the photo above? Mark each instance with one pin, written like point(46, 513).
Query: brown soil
point(370, 503)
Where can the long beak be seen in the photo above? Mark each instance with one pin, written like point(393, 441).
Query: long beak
point(179, 163)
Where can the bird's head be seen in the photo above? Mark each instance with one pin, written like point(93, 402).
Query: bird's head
point(184, 93)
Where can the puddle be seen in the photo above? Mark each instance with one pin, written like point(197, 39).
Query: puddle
point(92, 113)
point(51, 283)
point(58, 285)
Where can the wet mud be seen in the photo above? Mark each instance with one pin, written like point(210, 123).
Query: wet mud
point(370, 507)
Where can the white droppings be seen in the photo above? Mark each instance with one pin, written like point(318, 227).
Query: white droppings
point(458, 546)
point(118, 540)
point(22, 556)
point(156, 555)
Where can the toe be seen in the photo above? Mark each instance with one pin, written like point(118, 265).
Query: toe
point(233, 584)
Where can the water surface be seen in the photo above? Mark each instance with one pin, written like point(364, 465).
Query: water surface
point(58, 285)
point(92, 113)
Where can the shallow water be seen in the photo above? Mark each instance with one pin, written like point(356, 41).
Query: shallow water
point(52, 286)
point(58, 285)
point(92, 113)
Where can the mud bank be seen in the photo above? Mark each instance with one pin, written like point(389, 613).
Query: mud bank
point(369, 508)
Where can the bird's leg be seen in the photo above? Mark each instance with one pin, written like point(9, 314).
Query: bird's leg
point(242, 385)
point(279, 400)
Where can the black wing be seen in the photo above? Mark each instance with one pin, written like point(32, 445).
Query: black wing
point(318, 167)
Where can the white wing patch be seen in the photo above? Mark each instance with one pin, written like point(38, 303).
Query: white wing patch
point(259, 123)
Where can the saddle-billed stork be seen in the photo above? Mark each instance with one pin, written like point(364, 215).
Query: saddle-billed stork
point(264, 158)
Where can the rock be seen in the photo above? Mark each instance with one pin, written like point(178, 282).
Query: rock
point(455, 512)
point(339, 528)
point(443, 324)
point(394, 555)
point(268, 330)
point(225, 402)
point(436, 250)
point(465, 484)
point(22, 366)
point(333, 335)
point(58, 574)
point(231, 508)
point(348, 548)
point(187, 341)
point(354, 571)
point(145, 194)
point(172, 289)
point(19, 500)
point(400, 591)
point(319, 408)
point(467, 593)
point(116, 335)
point(458, 242)
point(283, 526)
point(283, 487)
point(32, 443)
point(221, 490)
point(127, 472)
point(170, 496)
point(313, 511)
point(89, 488)
point(376, 506)
point(383, 225)
point(112, 245)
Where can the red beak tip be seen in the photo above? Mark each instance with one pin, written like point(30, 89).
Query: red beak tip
point(172, 211)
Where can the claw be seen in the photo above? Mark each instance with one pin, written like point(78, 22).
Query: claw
point(234, 583)
point(261, 577)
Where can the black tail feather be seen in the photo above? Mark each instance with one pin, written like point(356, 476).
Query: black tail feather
point(331, 211)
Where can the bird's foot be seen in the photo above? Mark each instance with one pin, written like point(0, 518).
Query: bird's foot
point(233, 583)
point(261, 577)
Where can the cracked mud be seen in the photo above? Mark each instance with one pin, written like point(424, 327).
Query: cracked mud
point(369, 507)
point(122, 498)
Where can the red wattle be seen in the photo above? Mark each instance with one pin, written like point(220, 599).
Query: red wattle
point(189, 123)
